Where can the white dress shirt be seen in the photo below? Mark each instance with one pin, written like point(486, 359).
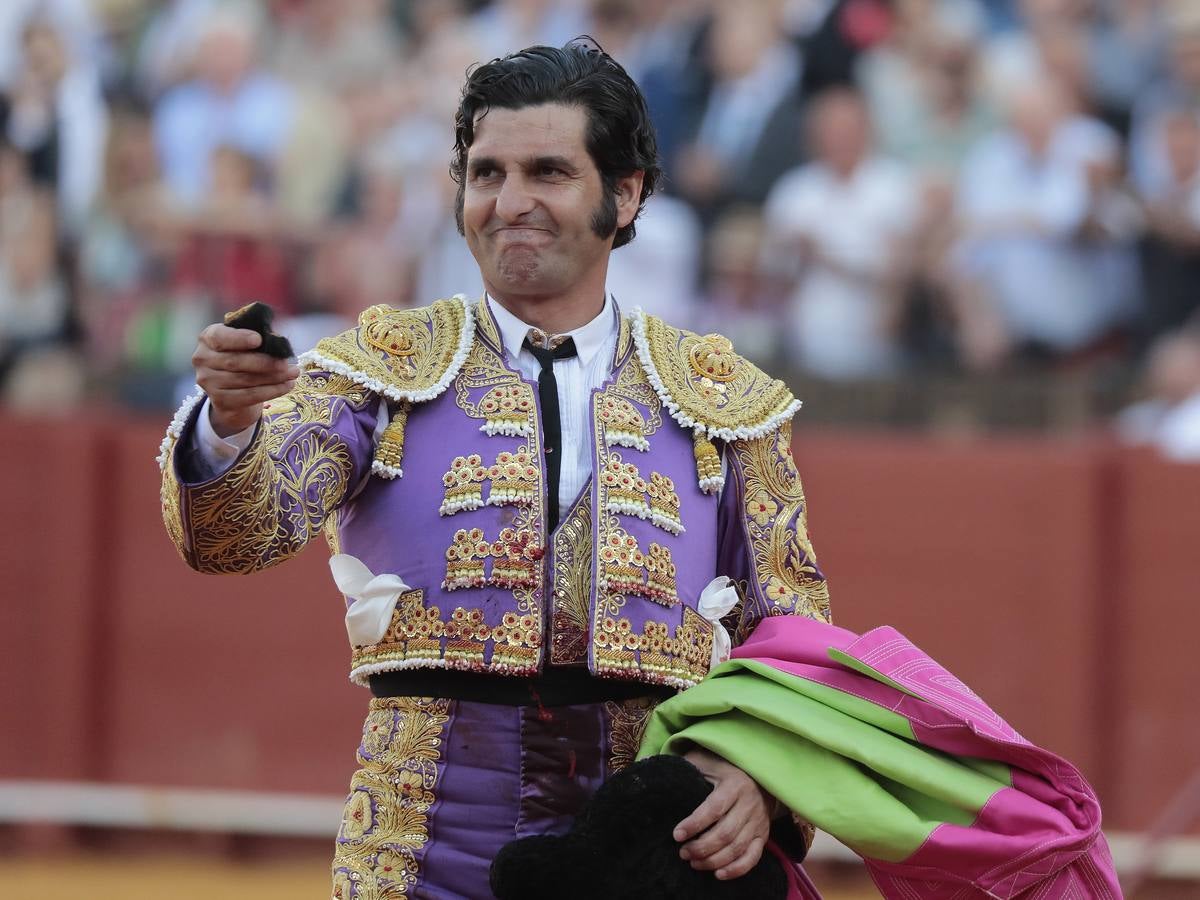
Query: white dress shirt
point(577, 377)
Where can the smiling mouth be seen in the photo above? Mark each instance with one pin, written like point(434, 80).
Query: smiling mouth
point(522, 235)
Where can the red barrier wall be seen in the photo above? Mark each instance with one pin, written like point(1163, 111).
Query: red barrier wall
point(1058, 579)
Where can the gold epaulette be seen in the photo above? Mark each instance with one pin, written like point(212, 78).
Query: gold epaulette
point(406, 355)
point(706, 386)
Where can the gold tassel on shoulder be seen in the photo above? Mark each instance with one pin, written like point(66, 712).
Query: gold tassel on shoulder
point(390, 451)
point(708, 464)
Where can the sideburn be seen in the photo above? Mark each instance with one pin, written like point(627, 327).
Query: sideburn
point(604, 216)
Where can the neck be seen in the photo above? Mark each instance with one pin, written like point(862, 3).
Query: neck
point(553, 313)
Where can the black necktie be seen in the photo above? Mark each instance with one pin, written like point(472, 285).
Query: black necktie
point(551, 422)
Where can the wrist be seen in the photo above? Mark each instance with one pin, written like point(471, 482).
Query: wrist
point(226, 423)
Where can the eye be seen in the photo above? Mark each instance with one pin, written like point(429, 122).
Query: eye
point(548, 171)
point(482, 173)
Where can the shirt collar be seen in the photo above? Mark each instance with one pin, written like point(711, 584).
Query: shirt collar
point(589, 339)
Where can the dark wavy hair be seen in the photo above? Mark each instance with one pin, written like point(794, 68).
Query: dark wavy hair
point(620, 137)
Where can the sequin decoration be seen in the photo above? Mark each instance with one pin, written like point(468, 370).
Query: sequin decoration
point(625, 569)
point(625, 488)
point(507, 409)
point(627, 493)
point(516, 552)
point(660, 576)
point(514, 478)
point(621, 423)
point(679, 658)
point(463, 482)
point(664, 503)
point(415, 637)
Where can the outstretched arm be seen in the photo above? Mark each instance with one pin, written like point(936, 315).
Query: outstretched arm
point(312, 445)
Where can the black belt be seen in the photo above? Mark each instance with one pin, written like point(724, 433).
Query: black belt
point(555, 687)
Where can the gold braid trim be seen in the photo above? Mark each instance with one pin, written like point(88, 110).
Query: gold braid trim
point(277, 496)
point(776, 519)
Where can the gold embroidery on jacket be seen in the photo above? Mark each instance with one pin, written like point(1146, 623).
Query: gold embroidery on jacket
point(406, 349)
point(514, 478)
point(385, 823)
point(710, 383)
point(679, 658)
point(624, 488)
point(277, 496)
point(507, 409)
point(627, 725)
point(572, 585)
point(628, 493)
point(506, 395)
point(625, 569)
point(464, 484)
point(516, 481)
point(776, 520)
point(664, 504)
point(517, 559)
point(623, 425)
point(416, 632)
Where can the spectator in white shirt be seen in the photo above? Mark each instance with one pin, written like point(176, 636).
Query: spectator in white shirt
point(1170, 418)
point(837, 221)
point(230, 102)
point(1028, 199)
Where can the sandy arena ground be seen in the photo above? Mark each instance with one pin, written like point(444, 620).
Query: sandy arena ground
point(49, 878)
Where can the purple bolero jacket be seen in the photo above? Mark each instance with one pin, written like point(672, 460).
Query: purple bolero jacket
point(438, 525)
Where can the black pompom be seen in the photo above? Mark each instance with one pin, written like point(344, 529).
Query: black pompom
point(621, 845)
point(257, 317)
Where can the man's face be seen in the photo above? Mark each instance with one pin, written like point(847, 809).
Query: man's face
point(531, 193)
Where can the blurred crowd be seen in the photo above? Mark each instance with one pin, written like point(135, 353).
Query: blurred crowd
point(855, 189)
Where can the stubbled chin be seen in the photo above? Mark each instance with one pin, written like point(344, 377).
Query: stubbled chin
point(518, 265)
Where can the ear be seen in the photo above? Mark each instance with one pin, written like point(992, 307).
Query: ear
point(629, 195)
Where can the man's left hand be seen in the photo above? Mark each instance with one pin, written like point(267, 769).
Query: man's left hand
point(728, 831)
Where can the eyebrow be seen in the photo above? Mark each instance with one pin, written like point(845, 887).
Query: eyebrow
point(555, 162)
point(483, 162)
point(531, 163)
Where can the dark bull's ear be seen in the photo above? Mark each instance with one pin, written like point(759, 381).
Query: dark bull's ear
point(542, 867)
point(257, 317)
point(621, 846)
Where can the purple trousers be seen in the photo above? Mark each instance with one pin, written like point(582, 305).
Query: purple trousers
point(443, 784)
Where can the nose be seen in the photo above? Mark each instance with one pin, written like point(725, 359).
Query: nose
point(514, 200)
